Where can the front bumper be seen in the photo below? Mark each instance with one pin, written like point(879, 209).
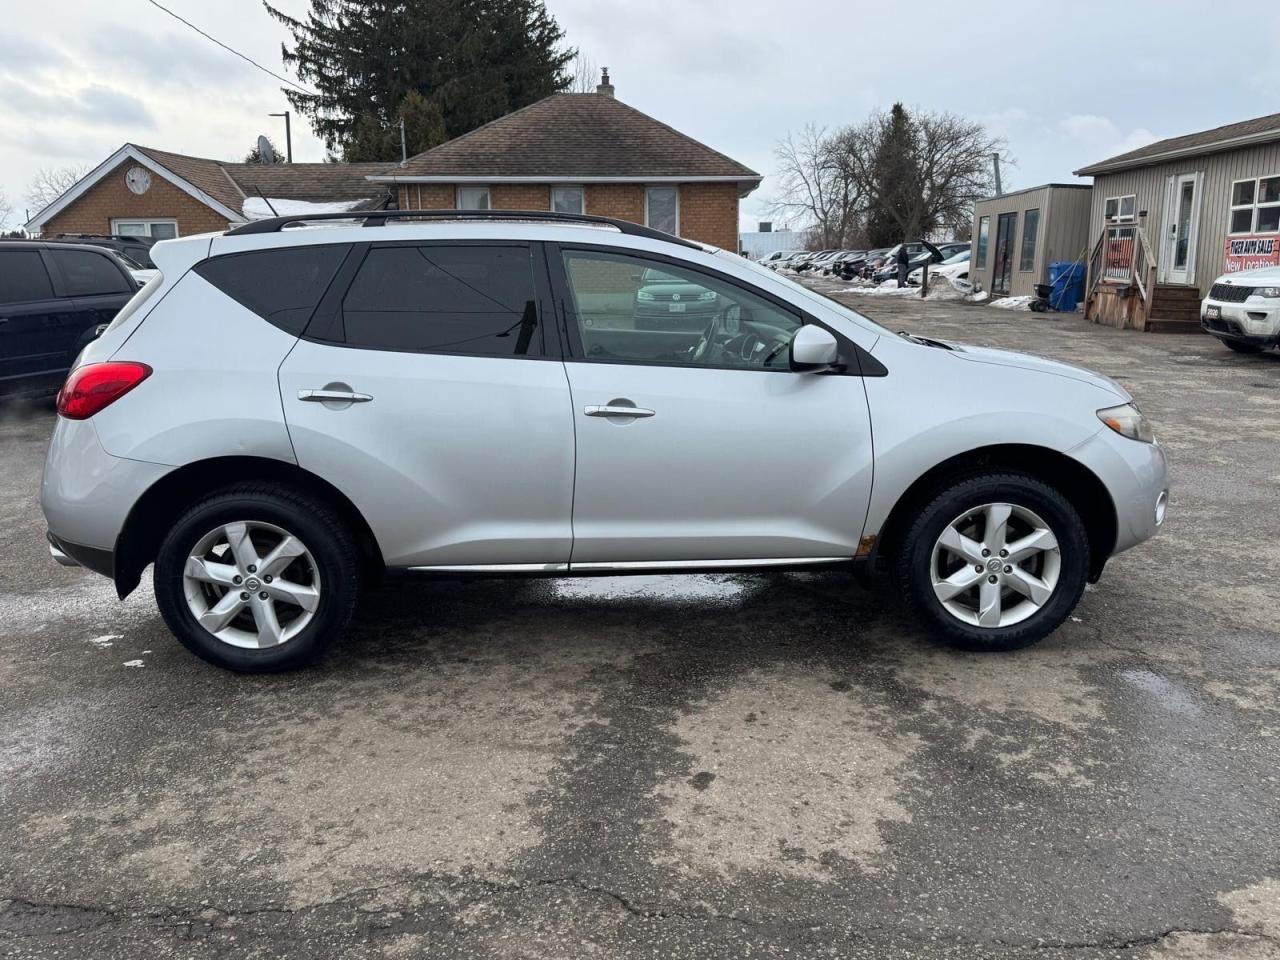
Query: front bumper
point(1255, 321)
point(1137, 477)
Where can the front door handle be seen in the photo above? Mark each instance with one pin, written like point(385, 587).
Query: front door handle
point(617, 410)
point(339, 396)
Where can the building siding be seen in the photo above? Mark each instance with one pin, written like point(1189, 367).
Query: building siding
point(1149, 185)
point(110, 199)
point(1062, 234)
point(708, 211)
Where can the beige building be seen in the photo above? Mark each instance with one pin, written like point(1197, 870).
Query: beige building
point(1169, 218)
point(1017, 235)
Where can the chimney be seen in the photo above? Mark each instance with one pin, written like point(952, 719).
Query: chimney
point(605, 86)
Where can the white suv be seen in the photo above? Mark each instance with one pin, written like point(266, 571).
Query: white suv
point(1243, 309)
point(290, 409)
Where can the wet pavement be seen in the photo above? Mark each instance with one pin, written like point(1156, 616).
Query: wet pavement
point(709, 766)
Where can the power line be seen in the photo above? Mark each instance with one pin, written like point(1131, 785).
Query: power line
point(175, 16)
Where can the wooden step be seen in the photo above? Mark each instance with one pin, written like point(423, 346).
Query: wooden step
point(1166, 325)
point(1188, 312)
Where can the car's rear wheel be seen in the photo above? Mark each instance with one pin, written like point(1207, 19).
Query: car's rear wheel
point(256, 578)
point(995, 562)
point(1240, 346)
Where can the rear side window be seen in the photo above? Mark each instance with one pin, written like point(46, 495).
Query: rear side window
point(23, 277)
point(474, 300)
point(281, 286)
point(89, 274)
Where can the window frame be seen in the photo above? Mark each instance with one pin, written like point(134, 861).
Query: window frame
point(582, 192)
point(1255, 208)
point(327, 327)
point(116, 222)
point(982, 242)
point(674, 188)
point(1030, 265)
point(853, 360)
point(1120, 217)
point(457, 196)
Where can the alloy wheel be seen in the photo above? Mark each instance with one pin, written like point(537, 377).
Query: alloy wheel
point(251, 584)
point(995, 565)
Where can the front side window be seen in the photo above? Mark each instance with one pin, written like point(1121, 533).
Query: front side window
point(476, 300)
point(662, 209)
point(1255, 206)
point(473, 198)
point(88, 274)
point(628, 309)
point(281, 286)
point(156, 229)
point(984, 238)
point(1121, 209)
point(567, 200)
point(1030, 227)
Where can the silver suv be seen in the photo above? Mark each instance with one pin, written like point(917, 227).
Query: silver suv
point(291, 408)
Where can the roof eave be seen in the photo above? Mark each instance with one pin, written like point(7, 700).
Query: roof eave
point(753, 178)
point(1202, 149)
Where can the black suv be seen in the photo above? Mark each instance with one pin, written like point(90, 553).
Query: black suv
point(53, 298)
point(134, 251)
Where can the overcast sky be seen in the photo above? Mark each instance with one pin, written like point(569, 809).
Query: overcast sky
point(1065, 84)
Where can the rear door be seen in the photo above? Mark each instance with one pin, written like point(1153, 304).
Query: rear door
point(428, 389)
point(32, 323)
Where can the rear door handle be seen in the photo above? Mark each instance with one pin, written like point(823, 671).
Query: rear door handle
point(340, 396)
point(617, 410)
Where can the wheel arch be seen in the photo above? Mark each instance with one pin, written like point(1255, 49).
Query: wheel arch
point(1081, 486)
point(153, 514)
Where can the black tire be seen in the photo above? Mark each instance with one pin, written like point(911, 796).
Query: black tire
point(1240, 346)
point(327, 539)
point(913, 560)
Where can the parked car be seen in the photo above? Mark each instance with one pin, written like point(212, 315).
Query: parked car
point(1243, 309)
point(53, 299)
point(953, 268)
point(921, 252)
point(785, 259)
point(832, 265)
point(807, 263)
point(861, 267)
point(771, 259)
point(456, 395)
point(668, 302)
point(134, 251)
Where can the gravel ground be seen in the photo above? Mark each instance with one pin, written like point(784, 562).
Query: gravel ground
point(708, 766)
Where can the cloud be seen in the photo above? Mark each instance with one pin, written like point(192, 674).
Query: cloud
point(25, 54)
point(1103, 137)
point(94, 104)
point(168, 59)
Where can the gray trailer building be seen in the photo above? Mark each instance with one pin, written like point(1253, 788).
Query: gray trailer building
point(1017, 235)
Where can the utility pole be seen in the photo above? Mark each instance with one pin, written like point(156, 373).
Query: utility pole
point(995, 162)
point(288, 135)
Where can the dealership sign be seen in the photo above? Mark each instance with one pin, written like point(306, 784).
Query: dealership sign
point(1246, 253)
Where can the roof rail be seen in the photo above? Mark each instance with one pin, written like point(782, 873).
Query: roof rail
point(378, 218)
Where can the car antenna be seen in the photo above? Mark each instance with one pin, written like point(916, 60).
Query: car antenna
point(262, 197)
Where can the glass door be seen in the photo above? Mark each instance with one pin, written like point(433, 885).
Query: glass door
point(1002, 277)
point(1182, 251)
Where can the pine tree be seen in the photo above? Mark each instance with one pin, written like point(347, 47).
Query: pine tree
point(896, 174)
point(445, 66)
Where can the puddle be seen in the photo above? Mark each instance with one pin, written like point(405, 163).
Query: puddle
point(1173, 697)
point(684, 588)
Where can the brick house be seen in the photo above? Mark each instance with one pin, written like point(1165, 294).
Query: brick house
point(147, 192)
point(582, 153)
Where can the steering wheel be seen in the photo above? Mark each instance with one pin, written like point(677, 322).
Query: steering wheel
point(698, 353)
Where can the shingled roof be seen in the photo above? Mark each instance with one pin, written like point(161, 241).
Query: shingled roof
point(1246, 133)
point(583, 136)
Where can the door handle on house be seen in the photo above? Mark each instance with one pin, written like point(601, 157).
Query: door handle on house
point(616, 409)
point(338, 396)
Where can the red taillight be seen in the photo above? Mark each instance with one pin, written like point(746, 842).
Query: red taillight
point(96, 385)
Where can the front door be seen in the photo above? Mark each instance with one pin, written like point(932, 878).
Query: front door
point(729, 455)
point(1002, 277)
point(1180, 250)
point(426, 392)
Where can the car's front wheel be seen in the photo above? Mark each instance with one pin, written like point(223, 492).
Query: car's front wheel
point(257, 578)
point(995, 562)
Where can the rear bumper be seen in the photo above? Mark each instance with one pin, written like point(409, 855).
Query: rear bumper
point(69, 554)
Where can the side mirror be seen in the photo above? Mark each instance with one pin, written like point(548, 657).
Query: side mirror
point(813, 349)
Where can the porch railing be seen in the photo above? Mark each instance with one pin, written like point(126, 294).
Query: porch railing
point(1122, 256)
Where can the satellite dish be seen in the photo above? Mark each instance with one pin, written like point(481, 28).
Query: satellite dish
point(265, 153)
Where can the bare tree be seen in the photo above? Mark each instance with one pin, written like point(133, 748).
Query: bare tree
point(50, 183)
point(814, 190)
point(6, 211)
point(585, 74)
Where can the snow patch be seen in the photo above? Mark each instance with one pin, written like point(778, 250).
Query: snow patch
point(104, 641)
point(262, 208)
point(134, 663)
point(1012, 303)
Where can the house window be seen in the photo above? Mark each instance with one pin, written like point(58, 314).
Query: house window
point(984, 236)
point(662, 209)
point(567, 200)
point(473, 198)
point(1255, 206)
point(156, 229)
point(1030, 227)
point(1120, 209)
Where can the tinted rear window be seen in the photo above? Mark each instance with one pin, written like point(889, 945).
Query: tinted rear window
point(281, 286)
point(442, 299)
point(89, 274)
point(23, 277)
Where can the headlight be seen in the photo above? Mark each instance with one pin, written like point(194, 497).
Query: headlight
point(644, 295)
point(1270, 292)
point(1128, 421)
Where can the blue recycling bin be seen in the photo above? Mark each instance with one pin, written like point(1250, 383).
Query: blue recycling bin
point(1066, 278)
